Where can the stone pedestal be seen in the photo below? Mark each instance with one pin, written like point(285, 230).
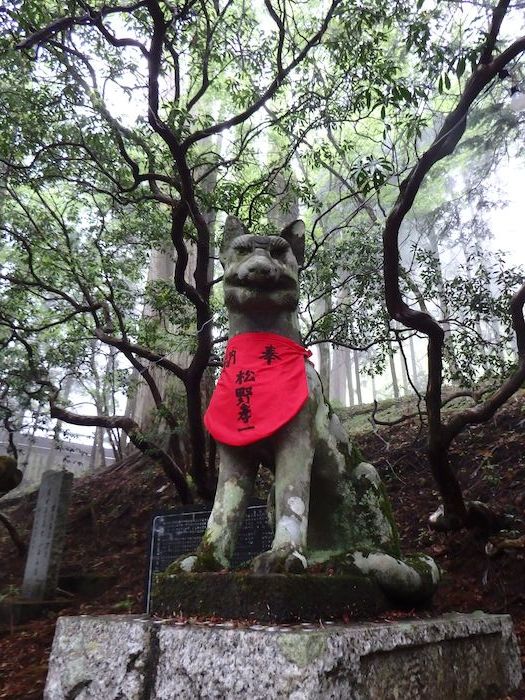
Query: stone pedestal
point(272, 598)
point(125, 657)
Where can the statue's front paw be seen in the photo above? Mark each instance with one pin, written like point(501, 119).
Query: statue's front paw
point(183, 565)
point(197, 562)
point(280, 561)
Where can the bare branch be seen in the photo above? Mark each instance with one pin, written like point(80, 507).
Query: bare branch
point(137, 437)
point(126, 346)
point(484, 411)
point(270, 90)
point(65, 23)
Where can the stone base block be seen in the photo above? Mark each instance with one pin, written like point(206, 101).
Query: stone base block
point(131, 658)
point(269, 598)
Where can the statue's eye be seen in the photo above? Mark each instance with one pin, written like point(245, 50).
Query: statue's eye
point(243, 249)
point(278, 250)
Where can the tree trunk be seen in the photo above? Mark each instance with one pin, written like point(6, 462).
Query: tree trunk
point(324, 367)
point(199, 465)
point(338, 375)
point(357, 379)
point(350, 379)
point(404, 374)
point(455, 512)
point(413, 364)
point(448, 347)
point(68, 384)
point(285, 208)
point(197, 390)
point(161, 268)
point(395, 385)
point(13, 534)
point(374, 390)
point(97, 458)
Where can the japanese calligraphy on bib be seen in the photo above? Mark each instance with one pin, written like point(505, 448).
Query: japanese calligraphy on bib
point(262, 386)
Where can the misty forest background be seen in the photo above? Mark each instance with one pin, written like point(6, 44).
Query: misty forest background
point(129, 131)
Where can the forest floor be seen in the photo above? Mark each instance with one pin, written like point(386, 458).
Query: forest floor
point(110, 516)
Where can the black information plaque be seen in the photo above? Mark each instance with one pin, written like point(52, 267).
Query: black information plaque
point(179, 532)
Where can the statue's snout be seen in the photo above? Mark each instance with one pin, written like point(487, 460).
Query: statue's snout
point(258, 268)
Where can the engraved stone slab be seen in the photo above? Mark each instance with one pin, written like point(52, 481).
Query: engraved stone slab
point(176, 533)
point(47, 535)
point(123, 657)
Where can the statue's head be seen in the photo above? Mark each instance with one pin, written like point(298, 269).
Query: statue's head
point(261, 272)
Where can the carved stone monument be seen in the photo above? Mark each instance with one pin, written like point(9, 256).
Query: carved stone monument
point(333, 527)
point(335, 550)
point(47, 536)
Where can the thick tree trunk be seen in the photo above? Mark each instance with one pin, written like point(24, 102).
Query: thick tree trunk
point(285, 208)
point(338, 375)
point(97, 458)
point(197, 390)
point(161, 268)
point(54, 449)
point(454, 508)
point(199, 465)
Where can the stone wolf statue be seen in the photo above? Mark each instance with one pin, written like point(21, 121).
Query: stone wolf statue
point(330, 508)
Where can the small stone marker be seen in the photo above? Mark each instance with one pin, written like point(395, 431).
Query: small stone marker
point(47, 535)
point(175, 534)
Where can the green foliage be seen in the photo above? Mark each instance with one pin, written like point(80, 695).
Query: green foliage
point(92, 182)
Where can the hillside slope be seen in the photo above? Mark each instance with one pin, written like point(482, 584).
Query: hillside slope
point(110, 515)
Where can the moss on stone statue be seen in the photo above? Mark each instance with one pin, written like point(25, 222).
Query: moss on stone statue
point(268, 598)
point(205, 560)
point(303, 650)
point(428, 570)
point(375, 523)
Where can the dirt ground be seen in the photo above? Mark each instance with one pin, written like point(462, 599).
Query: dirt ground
point(110, 515)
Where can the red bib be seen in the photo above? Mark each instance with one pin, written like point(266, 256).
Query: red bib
point(262, 386)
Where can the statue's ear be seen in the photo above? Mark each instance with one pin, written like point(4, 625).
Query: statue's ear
point(232, 229)
point(294, 235)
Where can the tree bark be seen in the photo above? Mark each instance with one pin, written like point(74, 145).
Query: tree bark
point(357, 379)
point(413, 363)
point(350, 379)
point(393, 372)
point(338, 375)
point(13, 534)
